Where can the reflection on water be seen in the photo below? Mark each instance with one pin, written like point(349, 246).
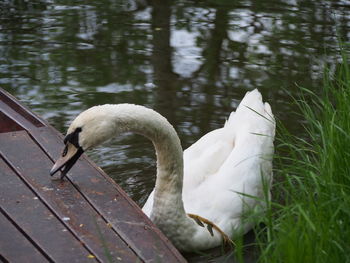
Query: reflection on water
point(190, 60)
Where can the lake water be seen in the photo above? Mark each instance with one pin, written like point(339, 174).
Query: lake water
point(190, 60)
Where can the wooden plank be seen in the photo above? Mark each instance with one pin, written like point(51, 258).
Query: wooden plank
point(7, 124)
point(37, 222)
point(113, 204)
point(23, 115)
point(63, 199)
point(16, 116)
point(14, 247)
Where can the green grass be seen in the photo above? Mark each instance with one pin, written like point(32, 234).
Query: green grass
point(308, 219)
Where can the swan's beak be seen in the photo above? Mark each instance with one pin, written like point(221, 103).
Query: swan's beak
point(68, 158)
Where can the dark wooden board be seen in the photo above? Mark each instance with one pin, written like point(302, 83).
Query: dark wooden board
point(37, 222)
point(96, 215)
point(24, 116)
point(7, 124)
point(14, 246)
point(65, 202)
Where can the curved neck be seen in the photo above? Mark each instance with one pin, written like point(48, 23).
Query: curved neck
point(144, 121)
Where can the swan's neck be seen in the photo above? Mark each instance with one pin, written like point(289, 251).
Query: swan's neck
point(168, 211)
point(168, 189)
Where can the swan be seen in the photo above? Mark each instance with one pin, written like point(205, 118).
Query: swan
point(201, 194)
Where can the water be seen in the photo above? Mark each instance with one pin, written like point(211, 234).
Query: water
point(190, 60)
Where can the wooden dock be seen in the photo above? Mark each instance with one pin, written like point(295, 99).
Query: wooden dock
point(85, 218)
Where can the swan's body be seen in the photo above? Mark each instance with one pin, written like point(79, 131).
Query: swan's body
point(207, 179)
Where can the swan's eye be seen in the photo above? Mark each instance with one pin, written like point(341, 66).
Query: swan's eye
point(73, 137)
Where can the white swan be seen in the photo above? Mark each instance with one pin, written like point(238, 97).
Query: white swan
point(206, 180)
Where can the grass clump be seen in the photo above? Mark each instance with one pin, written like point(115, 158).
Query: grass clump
point(309, 219)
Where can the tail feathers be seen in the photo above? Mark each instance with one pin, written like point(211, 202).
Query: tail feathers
point(252, 98)
point(252, 101)
point(251, 107)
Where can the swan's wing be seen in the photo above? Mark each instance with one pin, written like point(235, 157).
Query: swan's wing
point(253, 130)
point(205, 157)
point(245, 172)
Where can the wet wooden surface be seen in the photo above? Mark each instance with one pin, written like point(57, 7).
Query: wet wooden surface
point(85, 218)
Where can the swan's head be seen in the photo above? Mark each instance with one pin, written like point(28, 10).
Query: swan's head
point(89, 129)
